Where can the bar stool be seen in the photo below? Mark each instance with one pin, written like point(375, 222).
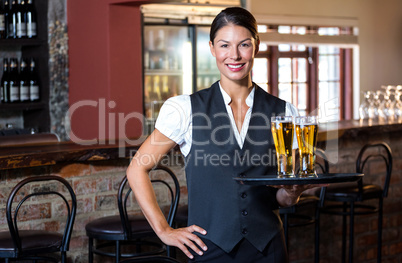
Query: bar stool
point(348, 200)
point(35, 244)
point(151, 259)
point(294, 217)
point(125, 229)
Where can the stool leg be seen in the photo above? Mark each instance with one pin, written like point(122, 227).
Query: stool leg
point(117, 251)
point(317, 237)
point(285, 229)
point(90, 252)
point(351, 231)
point(344, 232)
point(63, 257)
point(379, 230)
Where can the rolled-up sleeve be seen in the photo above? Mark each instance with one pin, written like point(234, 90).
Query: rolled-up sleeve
point(174, 120)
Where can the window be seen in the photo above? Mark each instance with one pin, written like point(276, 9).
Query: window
point(309, 76)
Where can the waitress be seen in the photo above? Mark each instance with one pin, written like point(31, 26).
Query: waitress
point(222, 131)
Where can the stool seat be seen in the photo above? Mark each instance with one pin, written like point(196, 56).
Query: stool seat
point(111, 228)
point(29, 240)
point(351, 191)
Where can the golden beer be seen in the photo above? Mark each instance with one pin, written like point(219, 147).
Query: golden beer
point(306, 133)
point(282, 132)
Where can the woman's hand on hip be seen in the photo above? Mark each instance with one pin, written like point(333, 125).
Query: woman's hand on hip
point(184, 238)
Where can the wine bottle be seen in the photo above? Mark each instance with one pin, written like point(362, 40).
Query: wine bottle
point(31, 19)
point(14, 81)
point(6, 15)
point(24, 81)
point(2, 21)
point(34, 90)
point(21, 26)
point(12, 20)
point(4, 82)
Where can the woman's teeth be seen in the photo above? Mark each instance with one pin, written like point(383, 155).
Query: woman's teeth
point(235, 66)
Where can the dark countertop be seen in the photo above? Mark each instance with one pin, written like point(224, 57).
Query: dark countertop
point(353, 128)
point(41, 154)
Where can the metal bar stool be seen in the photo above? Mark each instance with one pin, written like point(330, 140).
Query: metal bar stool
point(125, 229)
point(36, 244)
point(348, 200)
point(293, 217)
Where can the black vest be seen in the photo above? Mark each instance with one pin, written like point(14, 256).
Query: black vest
point(227, 210)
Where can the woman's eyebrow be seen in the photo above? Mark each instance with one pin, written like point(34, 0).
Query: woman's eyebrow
point(222, 40)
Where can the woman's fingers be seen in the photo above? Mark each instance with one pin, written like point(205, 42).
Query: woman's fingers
point(186, 240)
point(197, 240)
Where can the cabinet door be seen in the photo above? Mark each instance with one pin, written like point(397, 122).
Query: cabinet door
point(207, 71)
point(167, 65)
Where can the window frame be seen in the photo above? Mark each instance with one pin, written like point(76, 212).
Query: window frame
point(272, 54)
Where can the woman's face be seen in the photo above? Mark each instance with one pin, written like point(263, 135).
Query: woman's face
point(234, 49)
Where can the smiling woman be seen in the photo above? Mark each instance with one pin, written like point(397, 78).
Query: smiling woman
point(226, 123)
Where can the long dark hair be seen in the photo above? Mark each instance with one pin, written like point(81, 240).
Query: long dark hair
point(236, 16)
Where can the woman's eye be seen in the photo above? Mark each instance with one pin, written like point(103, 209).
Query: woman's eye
point(224, 45)
point(245, 45)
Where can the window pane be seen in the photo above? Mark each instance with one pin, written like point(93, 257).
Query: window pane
point(263, 47)
point(299, 70)
point(328, 68)
point(284, 29)
point(301, 30)
point(298, 47)
point(285, 70)
point(328, 50)
point(264, 86)
point(283, 47)
point(328, 31)
point(260, 71)
point(329, 101)
point(301, 98)
point(262, 28)
point(329, 92)
point(285, 91)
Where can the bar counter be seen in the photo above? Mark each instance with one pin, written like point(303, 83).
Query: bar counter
point(40, 154)
point(96, 170)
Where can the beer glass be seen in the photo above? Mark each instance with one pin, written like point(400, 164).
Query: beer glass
point(282, 132)
point(306, 133)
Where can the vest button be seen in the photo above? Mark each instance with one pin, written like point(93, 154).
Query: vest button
point(244, 231)
point(243, 195)
point(244, 212)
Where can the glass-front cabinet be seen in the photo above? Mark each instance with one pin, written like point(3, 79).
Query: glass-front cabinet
point(167, 69)
point(177, 60)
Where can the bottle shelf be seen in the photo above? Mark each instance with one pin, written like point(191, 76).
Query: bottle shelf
point(23, 106)
point(21, 42)
point(164, 72)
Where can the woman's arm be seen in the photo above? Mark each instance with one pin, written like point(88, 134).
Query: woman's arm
point(150, 153)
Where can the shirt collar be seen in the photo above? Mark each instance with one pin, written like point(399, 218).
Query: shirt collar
point(227, 99)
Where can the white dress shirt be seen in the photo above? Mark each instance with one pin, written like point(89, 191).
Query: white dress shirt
point(175, 119)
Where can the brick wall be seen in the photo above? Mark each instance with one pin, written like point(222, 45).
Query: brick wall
point(96, 184)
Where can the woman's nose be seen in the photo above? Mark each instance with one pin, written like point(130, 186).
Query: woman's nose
point(234, 54)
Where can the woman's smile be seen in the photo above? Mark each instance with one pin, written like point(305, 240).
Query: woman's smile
point(236, 67)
